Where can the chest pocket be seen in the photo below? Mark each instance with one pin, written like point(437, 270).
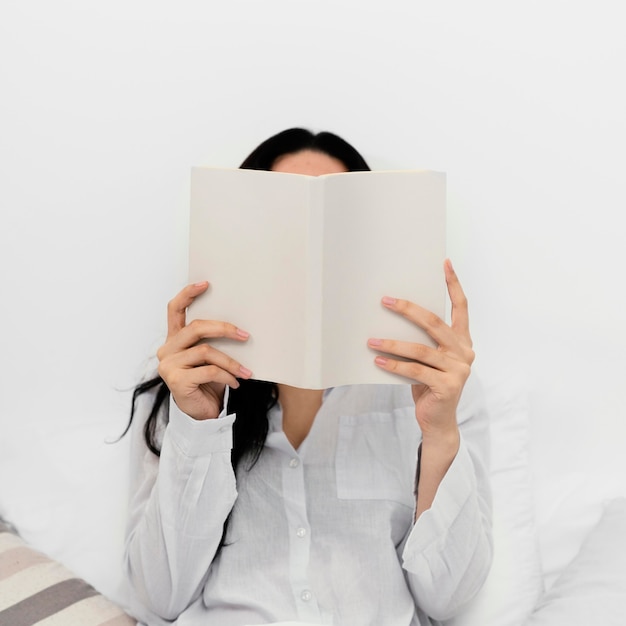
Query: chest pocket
point(376, 457)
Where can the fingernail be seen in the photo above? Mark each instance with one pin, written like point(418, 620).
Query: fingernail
point(389, 301)
point(375, 342)
point(245, 372)
point(380, 360)
point(202, 283)
point(242, 333)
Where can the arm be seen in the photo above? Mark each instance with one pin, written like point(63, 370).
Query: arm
point(182, 500)
point(448, 554)
point(177, 514)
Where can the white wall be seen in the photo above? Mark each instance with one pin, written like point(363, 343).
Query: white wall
point(105, 106)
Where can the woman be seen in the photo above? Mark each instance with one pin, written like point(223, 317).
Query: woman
point(359, 505)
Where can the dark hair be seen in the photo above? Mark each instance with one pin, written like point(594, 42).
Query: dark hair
point(253, 399)
point(294, 140)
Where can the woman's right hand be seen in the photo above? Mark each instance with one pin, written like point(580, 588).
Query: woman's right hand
point(195, 372)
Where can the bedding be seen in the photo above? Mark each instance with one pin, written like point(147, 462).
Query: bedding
point(570, 506)
point(36, 590)
point(592, 588)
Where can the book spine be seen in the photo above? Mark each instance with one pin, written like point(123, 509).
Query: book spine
point(314, 283)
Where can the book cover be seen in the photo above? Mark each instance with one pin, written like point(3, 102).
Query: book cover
point(301, 262)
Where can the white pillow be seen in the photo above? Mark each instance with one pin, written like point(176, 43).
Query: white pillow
point(592, 588)
point(65, 490)
point(514, 584)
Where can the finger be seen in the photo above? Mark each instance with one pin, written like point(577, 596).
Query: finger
point(177, 306)
point(201, 355)
point(460, 315)
point(436, 328)
point(413, 351)
point(198, 330)
point(441, 383)
point(206, 374)
point(415, 372)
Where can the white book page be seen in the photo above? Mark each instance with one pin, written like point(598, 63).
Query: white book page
point(384, 235)
point(249, 238)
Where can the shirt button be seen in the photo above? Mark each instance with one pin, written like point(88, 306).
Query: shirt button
point(301, 532)
point(306, 596)
point(294, 463)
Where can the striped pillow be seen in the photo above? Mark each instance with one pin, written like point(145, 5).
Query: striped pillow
point(35, 589)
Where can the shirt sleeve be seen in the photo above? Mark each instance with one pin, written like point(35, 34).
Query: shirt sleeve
point(449, 550)
point(177, 512)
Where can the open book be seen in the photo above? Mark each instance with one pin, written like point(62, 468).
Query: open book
point(302, 262)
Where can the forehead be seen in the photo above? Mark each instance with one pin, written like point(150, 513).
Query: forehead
point(308, 162)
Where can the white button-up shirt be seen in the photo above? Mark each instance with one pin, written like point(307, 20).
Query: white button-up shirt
point(324, 534)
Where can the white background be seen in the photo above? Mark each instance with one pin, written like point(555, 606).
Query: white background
point(105, 106)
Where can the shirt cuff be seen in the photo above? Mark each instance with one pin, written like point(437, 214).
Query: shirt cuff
point(199, 437)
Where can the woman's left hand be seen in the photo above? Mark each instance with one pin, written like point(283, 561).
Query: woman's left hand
point(439, 373)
